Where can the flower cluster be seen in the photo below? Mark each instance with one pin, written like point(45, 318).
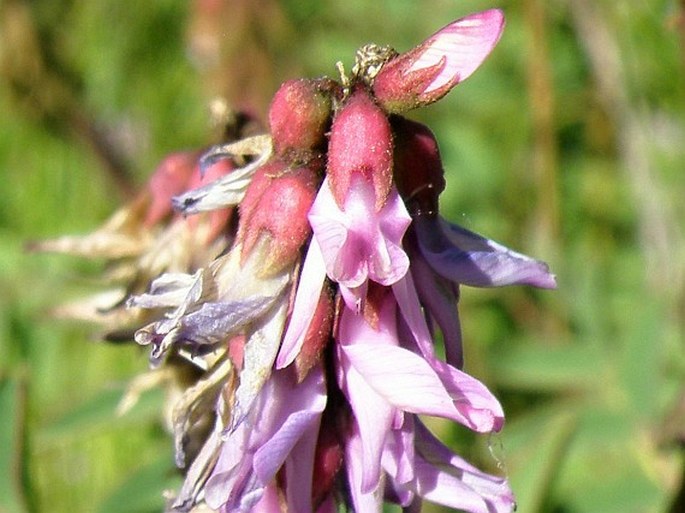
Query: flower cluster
point(307, 287)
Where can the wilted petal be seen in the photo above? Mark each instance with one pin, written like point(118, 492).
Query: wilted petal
point(259, 354)
point(229, 189)
point(462, 256)
point(462, 46)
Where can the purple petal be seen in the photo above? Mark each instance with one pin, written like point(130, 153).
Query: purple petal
point(408, 302)
point(360, 243)
point(462, 256)
point(450, 490)
point(398, 454)
point(493, 490)
point(410, 383)
point(299, 468)
point(294, 409)
point(373, 415)
point(309, 289)
point(368, 502)
point(463, 45)
point(439, 297)
point(215, 322)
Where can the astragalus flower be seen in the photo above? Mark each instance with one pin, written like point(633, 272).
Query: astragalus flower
point(314, 327)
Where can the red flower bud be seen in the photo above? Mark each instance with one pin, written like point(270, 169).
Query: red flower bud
point(276, 205)
point(318, 335)
point(169, 179)
point(419, 174)
point(360, 142)
point(428, 72)
point(328, 460)
point(299, 116)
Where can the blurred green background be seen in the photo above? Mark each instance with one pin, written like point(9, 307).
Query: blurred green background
point(568, 144)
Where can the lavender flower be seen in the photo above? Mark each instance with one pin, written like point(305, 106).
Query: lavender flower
point(314, 327)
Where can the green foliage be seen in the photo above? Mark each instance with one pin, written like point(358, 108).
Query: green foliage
point(553, 147)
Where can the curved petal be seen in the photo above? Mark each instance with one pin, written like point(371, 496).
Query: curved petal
point(368, 502)
point(462, 46)
point(410, 383)
point(309, 288)
point(373, 415)
point(439, 297)
point(462, 256)
point(493, 490)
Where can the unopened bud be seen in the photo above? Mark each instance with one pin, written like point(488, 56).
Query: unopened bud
point(429, 71)
point(360, 143)
point(276, 205)
point(318, 335)
point(169, 179)
point(299, 116)
point(328, 459)
point(419, 174)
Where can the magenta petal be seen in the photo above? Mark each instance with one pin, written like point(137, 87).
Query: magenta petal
point(493, 490)
point(299, 468)
point(465, 257)
point(439, 297)
point(309, 289)
point(368, 502)
point(463, 45)
point(373, 415)
point(360, 243)
point(297, 408)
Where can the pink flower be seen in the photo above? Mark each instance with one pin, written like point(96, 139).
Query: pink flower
point(383, 380)
point(358, 243)
point(280, 432)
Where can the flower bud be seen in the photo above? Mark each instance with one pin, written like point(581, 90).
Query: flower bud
point(328, 458)
point(360, 143)
point(318, 335)
point(426, 73)
point(299, 116)
point(419, 174)
point(276, 205)
point(169, 179)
